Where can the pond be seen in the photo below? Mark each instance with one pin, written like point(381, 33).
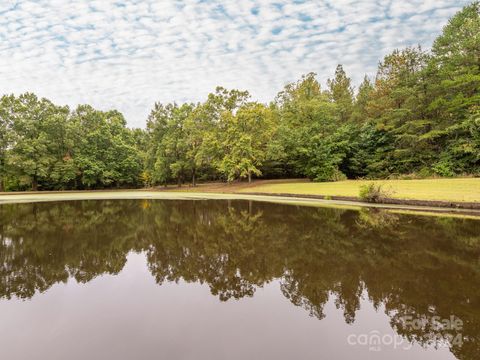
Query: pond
point(237, 279)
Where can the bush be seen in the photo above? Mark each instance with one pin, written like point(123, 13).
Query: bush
point(444, 168)
point(327, 173)
point(373, 193)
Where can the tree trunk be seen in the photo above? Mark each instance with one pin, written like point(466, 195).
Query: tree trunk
point(2, 188)
point(249, 177)
point(194, 180)
point(34, 183)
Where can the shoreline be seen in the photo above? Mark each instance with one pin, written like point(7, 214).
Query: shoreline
point(424, 206)
point(441, 204)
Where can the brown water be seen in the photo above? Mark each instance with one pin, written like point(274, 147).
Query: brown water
point(165, 279)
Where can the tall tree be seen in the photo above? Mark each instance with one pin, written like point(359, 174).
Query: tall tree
point(341, 93)
point(175, 143)
point(395, 107)
point(245, 141)
point(455, 67)
point(308, 130)
point(6, 135)
point(37, 148)
point(104, 152)
point(198, 126)
point(167, 158)
point(220, 108)
point(360, 107)
point(157, 166)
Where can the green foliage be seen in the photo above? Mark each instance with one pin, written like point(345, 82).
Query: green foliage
point(307, 120)
point(360, 113)
point(327, 153)
point(38, 138)
point(444, 167)
point(104, 151)
point(6, 134)
point(227, 136)
point(245, 140)
point(48, 147)
point(454, 66)
point(341, 93)
point(418, 118)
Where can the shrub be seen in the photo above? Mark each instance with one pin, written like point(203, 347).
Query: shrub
point(327, 173)
point(373, 193)
point(444, 168)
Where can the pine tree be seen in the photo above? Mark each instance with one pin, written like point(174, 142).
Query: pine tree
point(341, 93)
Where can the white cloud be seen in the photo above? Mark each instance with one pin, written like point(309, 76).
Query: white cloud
point(128, 54)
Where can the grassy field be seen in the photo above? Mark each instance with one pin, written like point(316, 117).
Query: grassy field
point(455, 190)
point(465, 189)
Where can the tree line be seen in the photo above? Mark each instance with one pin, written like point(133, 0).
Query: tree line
point(45, 146)
point(419, 117)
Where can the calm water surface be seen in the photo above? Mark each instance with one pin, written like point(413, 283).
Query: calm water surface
point(166, 279)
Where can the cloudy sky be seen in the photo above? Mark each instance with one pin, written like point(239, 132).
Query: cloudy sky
point(127, 54)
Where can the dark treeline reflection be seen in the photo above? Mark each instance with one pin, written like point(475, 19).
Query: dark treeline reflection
point(415, 266)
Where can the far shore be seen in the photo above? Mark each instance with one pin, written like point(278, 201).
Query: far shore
point(460, 198)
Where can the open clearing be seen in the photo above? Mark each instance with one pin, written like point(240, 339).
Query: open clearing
point(458, 190)
point(455, 190)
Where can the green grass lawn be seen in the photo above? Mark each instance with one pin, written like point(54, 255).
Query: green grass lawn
point(464, 189)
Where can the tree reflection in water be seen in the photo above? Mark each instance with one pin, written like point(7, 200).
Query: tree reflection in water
point(418, 266)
